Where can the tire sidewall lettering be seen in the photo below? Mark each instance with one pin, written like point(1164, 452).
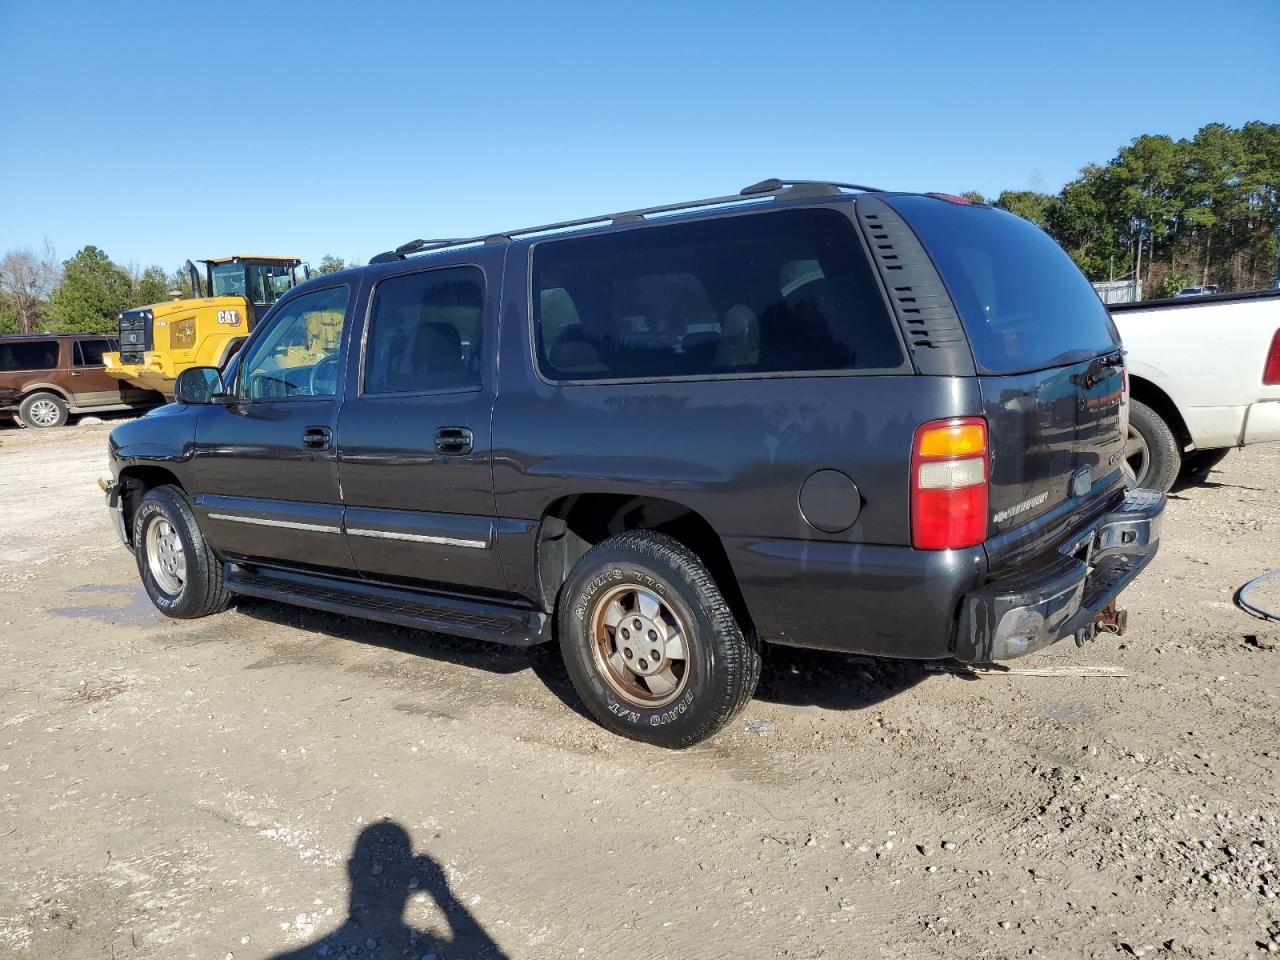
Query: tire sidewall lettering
point(149, 509)
point(607, 578)
point(614, 575)
point(649, 718)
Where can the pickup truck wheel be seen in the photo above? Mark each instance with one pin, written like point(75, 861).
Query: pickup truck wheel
point(180, 573)
point(1151, 452)
point(650, 643)
point(43, 410)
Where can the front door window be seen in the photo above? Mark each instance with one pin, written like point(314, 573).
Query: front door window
point(298, 355)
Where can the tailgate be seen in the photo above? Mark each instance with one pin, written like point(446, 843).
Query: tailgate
point(1056, 436)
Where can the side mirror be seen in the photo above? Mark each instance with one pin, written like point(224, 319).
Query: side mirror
point(198, 385)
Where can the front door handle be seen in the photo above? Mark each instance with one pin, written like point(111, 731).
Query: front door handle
point(454, 440)
point(317, 438)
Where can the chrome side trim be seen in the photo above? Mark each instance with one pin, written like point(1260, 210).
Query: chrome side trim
point(419, 538)
point(287, 524)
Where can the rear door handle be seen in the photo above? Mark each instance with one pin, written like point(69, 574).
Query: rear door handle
point(454, 440)
point(317, 438)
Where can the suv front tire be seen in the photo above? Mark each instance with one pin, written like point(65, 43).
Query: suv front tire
point(180, 573)
point(650, 644)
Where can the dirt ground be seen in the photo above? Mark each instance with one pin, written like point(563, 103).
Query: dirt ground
point(274, 780)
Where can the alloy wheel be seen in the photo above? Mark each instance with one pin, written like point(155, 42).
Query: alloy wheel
point(640, 646)
point(43, 413)
point(166, 558)
point(1137, 456)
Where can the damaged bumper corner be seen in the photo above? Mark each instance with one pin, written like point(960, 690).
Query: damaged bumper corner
point(1027, 611)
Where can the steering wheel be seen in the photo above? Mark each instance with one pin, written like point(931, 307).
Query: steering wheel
point(329, 379)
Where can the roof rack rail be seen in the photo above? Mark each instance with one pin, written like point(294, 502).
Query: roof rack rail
point(773, 185)
point(754, 192)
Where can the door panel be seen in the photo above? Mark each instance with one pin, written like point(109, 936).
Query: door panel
point(254, 527)
point(414, 449)
point(265, 465)
point(87, 379)
point(262, 493)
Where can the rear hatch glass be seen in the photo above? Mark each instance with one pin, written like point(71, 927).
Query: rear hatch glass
point(1047, 356)
point(1024, 304)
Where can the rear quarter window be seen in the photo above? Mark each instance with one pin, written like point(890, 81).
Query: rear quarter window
point(28, 355)
point(1024, 303)
point(781, 292)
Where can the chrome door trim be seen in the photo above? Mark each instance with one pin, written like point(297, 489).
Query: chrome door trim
point(419, 538)
point(287, 524)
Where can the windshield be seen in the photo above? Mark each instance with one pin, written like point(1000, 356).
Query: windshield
point(1024, 303)
point(226, 280)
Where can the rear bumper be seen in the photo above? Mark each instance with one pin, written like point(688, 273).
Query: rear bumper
point(1026, 611)
point(1262, 422)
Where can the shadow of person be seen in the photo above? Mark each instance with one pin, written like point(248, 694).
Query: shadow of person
point(384, 874)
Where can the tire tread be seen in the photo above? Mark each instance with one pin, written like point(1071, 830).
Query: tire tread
point(738, 651)
point(1166, 455)
point(211, 594)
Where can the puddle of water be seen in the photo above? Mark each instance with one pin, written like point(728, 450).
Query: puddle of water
point(139, 609)
point(419, 710)
point(1066, 713)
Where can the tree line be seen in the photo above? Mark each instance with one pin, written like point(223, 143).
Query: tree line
point(1173, 213)
point(87, 293)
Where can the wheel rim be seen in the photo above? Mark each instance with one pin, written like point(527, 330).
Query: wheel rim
point(1138, 457)
point(166, 558)
point(43, 413)
point(640, 646)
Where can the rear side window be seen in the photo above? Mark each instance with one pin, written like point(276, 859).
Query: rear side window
point(1023, 302)
point(788, 291)
point(28, 355)
point(425, 332)
point(89, 352)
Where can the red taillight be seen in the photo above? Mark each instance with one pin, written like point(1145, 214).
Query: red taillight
point(949, 479)
point(1271, 374)
point(952, 198)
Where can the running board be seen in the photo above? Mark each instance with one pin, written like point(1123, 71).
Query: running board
point(478, 619)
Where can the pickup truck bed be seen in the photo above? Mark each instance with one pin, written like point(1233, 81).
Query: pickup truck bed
point(1204, 376)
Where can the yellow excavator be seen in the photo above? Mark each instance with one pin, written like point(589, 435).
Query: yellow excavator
point(159, 341)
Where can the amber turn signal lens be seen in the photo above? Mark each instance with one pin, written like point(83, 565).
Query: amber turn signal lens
point(952, 440)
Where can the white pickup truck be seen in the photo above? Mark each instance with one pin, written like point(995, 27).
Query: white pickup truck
point(1204, 376)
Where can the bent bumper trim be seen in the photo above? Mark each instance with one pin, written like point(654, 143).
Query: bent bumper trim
point(1025, 612)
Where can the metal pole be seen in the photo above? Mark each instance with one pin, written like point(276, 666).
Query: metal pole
point(1137, 274)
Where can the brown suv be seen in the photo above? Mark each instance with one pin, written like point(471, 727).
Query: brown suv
point(44, 378)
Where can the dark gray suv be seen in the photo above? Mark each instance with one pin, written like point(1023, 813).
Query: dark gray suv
point(811, 413)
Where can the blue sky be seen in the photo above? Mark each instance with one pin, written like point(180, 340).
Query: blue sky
point(164, 131)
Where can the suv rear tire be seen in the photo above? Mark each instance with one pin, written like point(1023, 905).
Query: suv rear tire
point(1152, 452)
point(180, 573)
point(43, 409)
point(650, 644)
